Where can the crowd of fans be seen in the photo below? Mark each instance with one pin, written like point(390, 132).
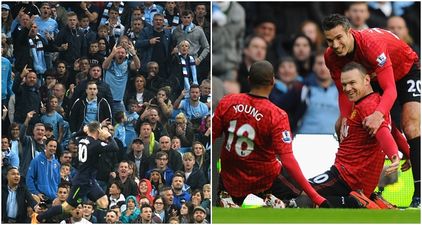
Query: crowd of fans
point(139, 68)
point(289, 35)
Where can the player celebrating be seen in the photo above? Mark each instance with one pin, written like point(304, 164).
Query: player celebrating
point(84, 183)
point(256, 132)
point(359, 160)
point(390, 62)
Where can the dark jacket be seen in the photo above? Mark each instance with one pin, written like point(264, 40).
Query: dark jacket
point(143, 168)
point(27, 99)
point(175, 161)
point(78, 112)
point(24, 199)
point(146, 48)
point(196, 180)
point(104, 90)
point(30, 149)
point(186, 139)
point(76, 40)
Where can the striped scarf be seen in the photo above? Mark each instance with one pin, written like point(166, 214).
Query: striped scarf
point(37, 54)
point(186, 65)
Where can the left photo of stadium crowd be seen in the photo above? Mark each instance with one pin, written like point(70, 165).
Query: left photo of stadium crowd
point(106, 112)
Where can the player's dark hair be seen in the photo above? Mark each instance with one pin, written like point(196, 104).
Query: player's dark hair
point(335, 20)
point(354, 65)
point(261, 74)
point(93, 126)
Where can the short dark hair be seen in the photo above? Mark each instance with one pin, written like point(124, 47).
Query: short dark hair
point(161, 154)
point(335, 20)
point(261, 74)
point(145, 206)
point(354, 65)
point(194, 86)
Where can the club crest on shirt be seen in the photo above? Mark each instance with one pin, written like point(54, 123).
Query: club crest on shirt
point(287, 137)
point(353, 114)
point(381, 59)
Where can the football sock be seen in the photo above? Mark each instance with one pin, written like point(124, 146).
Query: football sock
point(343, 201)
point(100, 213)
point(415, 159)
point(53, 211)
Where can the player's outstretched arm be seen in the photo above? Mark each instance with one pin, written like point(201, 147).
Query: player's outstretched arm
point(389, 147)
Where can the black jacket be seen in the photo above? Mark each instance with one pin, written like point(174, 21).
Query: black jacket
point(76, 40)
point(27, 99)
point(104, 90)
point(144, 164)
point(24, 199)
point(78, 112)
point(196, 180)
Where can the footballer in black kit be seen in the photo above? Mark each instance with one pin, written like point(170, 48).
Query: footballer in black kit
point(96, 141)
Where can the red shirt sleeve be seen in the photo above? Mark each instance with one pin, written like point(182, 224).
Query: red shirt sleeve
point(378, 57)
point(388, 85)
point(386, 141)
point(401, 141)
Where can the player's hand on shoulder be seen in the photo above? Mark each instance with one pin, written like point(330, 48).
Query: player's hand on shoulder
point(373, 122)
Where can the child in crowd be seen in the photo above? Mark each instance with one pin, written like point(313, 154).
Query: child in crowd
point(132, 117)
point(54, 118)
point(119, 129)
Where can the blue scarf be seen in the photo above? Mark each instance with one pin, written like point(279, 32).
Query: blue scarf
point(37, 54)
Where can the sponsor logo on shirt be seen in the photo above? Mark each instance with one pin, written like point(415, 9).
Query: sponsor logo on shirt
point(287, 137)
point(381, 59)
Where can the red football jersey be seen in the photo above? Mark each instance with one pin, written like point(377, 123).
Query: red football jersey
point(359, 158)
point(382, 53)
point(255, 132)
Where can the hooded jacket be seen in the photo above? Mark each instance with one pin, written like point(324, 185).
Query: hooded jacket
point(78, 112)
point(43, 176)
point(132, 217)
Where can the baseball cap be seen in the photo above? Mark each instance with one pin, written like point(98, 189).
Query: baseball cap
point(199, 208)
point(137, 140)
point(5, 6)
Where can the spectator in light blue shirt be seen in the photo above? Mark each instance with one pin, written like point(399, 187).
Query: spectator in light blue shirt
point(321, 99)
point(6, 80)
point(117, 67)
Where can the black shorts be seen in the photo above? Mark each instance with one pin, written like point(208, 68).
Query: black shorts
point(330, 183)
point(283, 187)
point(78, 192)
point(408, 88)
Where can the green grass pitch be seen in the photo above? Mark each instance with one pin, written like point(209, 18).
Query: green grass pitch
point(269, 215)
